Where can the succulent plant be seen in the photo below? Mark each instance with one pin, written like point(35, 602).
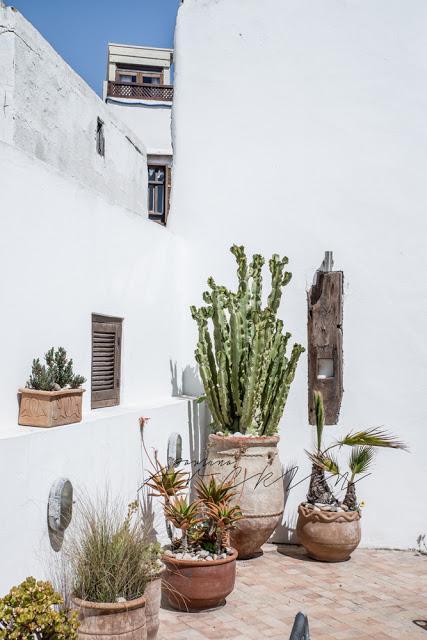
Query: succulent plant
point(242, 359)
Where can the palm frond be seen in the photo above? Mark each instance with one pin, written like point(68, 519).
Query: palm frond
point(360, 459)
point(374, 437)
point(327, 462)
point(320, 417)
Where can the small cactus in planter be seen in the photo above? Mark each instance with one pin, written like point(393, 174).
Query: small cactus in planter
point(53, 393)
point(246, 374)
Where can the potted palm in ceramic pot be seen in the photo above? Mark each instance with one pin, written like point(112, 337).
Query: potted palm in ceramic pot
point(200, 564)
point(327, 527)
point(246, 374)
point(112, 567)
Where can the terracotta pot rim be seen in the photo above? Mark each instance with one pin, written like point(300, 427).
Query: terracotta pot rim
point(328, 516)
point(199, 563)
point(114, 607)
point(246, 440)
point(55, 394)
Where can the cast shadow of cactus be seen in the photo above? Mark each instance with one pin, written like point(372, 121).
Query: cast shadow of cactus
point(285, 532)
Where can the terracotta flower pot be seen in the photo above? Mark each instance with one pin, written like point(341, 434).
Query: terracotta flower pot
point(50, 408)
point(198, 584)
point(111, 621)
point(260, 492)
point(152, 595)
point(330, 536)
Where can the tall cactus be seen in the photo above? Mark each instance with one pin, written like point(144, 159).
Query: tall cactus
point(243, 366)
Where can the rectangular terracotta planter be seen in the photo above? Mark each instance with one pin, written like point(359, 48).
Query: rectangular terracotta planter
point(50, 408)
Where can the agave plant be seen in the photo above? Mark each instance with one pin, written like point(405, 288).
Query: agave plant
point(183, 515)
point(214, 492)
point(242, 360)
point(224, 518)
point(363, 445)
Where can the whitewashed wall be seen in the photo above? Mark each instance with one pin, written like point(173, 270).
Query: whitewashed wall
point(75, 239)
point(318, 142)
point(150, 121)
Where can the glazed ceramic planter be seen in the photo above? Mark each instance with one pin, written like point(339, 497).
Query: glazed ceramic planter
point(152, 595)
point(198, 584)
point(329, 536)
point(254, 464)
point(111, 621)
point(50, 408)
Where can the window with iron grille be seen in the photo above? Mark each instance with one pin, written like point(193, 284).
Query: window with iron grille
point(159, 186)
point(106, 359)
point(100, 139)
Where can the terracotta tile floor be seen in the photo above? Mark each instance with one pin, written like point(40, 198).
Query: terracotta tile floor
point(377, 594)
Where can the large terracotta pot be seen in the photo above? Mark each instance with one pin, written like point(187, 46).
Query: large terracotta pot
point(50, 408)
point(153, 595)
point(330, 536)
point(111, 621)
point(198, 584)
point(253, 463)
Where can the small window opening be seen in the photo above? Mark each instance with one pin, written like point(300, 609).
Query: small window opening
point(100, 139)
point(325, 368)
point(159, 186)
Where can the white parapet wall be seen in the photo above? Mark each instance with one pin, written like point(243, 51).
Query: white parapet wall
point(300, 127)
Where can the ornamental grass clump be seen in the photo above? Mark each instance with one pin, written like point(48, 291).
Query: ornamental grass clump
point(241, 350)
point(56, 374)
point(363, 445)
point(110, 553)
point(33, 611)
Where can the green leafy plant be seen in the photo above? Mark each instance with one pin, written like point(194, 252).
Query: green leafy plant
point(324, 460)
point(56, 374)
point(33, 611)
point(242, 359)
point(110, 553)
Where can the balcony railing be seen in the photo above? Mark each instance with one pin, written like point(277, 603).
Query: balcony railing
point(140, 91)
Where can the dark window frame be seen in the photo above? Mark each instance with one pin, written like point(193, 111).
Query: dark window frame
point(100, 137)
point(155, 214)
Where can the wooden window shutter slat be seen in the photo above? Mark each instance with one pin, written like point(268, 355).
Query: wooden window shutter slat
point(106, 361)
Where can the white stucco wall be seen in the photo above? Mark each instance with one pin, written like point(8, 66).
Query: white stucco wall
point(75, 239)
point(149, 120)
point(51, 113)
point(319, 142)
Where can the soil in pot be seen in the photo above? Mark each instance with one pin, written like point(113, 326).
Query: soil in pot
point(192, 585)
point(254, 463)
point(111, 621)
point(329, 536)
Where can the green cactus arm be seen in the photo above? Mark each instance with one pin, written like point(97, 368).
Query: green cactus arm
point(210, 390)
point(223, 390)
point(255, 271)
point(249, 408)
point(287, 378)
point(236, 339)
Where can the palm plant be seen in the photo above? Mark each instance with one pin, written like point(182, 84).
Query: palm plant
point(363, 444)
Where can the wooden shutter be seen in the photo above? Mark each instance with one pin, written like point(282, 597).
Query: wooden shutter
point(106, 357)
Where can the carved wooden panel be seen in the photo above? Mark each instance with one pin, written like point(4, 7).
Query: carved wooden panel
point(325, 353)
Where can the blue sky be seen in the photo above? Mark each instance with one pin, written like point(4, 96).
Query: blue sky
point(80, 29)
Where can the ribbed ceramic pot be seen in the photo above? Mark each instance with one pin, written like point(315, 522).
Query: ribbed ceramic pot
point(153, 595)
point(254, 466)
point(329, 536)
point(111, 621)
point(198, 584)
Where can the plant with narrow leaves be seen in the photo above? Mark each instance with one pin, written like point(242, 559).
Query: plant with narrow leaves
point(183, 515)
point(56, 374)
point(224, 518)
point(33, 611)
point(363, 444)
point(213, 491)
point(242, 359)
